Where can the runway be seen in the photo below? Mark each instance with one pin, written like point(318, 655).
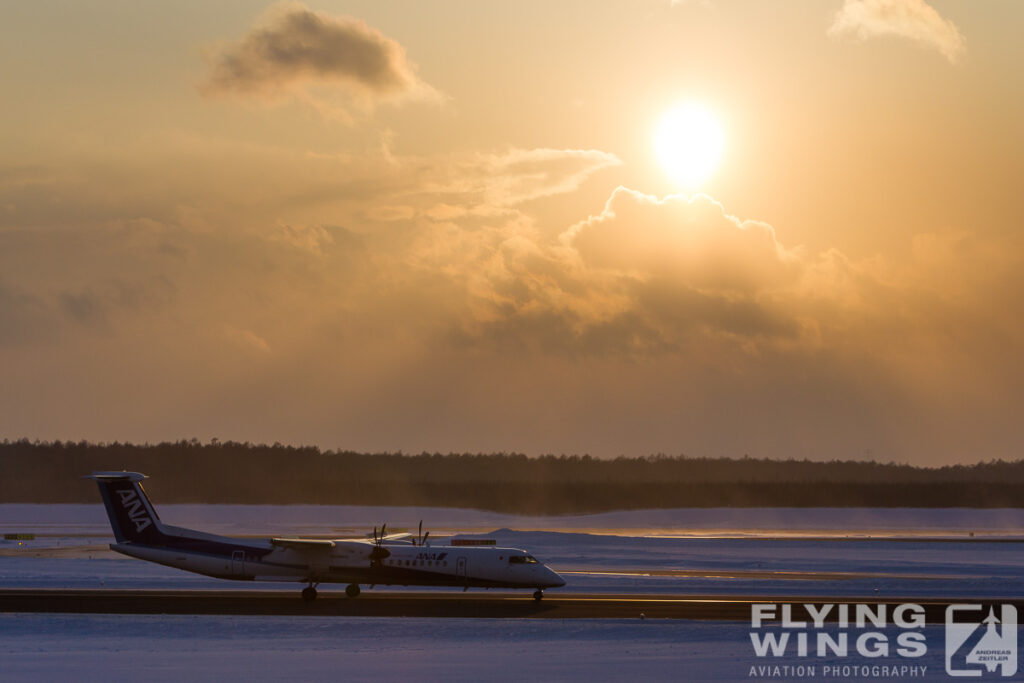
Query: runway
point(432, 605)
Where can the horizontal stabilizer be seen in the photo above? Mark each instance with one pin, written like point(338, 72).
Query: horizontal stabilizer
point(114, 476)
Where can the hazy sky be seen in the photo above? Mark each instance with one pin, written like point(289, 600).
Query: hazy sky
point(447, 226)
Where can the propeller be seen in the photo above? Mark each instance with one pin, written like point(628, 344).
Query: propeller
point(379, 552)
point(421, 538)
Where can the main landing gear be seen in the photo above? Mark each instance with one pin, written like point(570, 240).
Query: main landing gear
point(309, 592)
point(538, 595)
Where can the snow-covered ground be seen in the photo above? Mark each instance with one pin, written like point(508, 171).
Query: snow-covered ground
point(328, 519)
point(178, 648)
point(907, 553)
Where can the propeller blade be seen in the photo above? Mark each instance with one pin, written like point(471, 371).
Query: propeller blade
point(425, 536)
point(420, 534)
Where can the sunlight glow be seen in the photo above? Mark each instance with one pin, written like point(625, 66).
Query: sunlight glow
point(689, 142)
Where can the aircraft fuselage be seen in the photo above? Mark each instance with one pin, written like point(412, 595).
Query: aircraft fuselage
point(384, 561)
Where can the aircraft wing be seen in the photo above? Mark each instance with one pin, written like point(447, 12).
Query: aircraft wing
point(402, 537)
point(319, 551)
point(305, 544)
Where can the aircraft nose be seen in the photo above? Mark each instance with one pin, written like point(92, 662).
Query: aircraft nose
point(555, 580)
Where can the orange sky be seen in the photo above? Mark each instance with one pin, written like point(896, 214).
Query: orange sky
point(444, 226)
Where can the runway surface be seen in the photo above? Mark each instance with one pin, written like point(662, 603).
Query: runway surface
point(435, 605)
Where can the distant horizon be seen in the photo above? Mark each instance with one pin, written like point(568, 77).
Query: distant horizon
point(214, 441)
point(235, 472)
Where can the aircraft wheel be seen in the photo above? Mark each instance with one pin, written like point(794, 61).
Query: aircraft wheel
point(538, 595)
point(352, 590)
point(309, 594)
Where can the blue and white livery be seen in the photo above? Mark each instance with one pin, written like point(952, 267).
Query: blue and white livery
point(386, 560)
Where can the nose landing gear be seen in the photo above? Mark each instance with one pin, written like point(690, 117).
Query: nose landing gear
point(538, 595)
point(352, 590)
point(309, 593)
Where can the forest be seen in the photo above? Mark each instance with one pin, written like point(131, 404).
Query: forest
point(230, 472)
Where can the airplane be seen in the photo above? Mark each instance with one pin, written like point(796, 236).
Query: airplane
point(386, 560)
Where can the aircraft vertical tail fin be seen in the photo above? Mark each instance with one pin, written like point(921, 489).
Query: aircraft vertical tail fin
point(132, 516)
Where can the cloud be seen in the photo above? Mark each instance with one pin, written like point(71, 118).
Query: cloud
point(96, 303)
point(246, 339)
point(686, 239)
point(680, 277)
point(914, 20)
point(298, 49)
point(464, 189)
point(312, 238)
point(645, 276)
point(509, 178)
point(525, 174)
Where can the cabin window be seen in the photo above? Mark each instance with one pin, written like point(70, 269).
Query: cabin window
point(522, 559)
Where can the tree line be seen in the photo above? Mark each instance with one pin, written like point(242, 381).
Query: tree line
point(231, 472)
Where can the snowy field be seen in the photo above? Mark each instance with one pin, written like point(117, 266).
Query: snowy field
point(326, 519)
point(179, 648)
point(903, 553)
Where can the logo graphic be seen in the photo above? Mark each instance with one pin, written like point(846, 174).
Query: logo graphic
point(437, 557)
point(980, 640)
point(136, 511)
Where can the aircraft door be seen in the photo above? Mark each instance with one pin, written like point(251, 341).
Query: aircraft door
point(460, 568)
point(238, 562)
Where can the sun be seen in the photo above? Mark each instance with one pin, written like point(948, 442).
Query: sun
point(689, 142)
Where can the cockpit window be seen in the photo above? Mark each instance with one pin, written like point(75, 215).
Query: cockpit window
point(522, 559)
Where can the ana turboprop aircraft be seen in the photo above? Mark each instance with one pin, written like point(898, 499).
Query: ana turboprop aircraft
point(386, 560)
